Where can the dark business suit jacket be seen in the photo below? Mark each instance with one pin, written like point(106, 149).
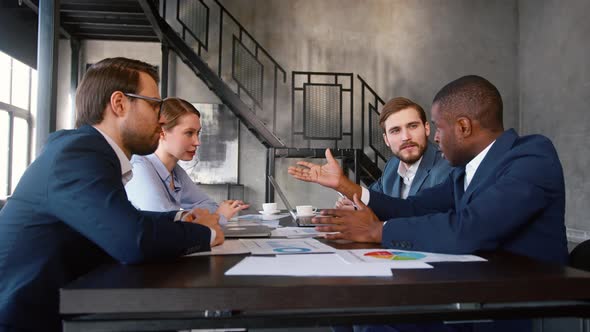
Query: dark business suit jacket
point(433, 169)
point(68, 214)
point(515, 202)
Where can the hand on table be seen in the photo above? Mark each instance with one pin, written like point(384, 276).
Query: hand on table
point(206, 218)
point(361, 225)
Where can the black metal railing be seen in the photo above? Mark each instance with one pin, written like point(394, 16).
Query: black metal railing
point(371, 104)
point(249, 70)
point(318, 116)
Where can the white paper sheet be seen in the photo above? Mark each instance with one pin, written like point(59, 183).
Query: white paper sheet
point(260, 217)
point(329, 265)
point(297, 232)
point(229, 247)
point(285, 246)
point(394, 256)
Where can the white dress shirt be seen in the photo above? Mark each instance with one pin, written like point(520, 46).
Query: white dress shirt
point(407, 174)
point(472, 166)
point(126, 168)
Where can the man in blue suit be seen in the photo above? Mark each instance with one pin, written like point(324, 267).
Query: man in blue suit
point(506, 193)
point(69, 212)
point(417, 163)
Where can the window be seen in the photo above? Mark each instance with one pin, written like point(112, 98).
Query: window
point(17, 97)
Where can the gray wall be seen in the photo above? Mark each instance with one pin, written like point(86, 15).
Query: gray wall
point(400, 47)
point(409, 48)
point(554, 70)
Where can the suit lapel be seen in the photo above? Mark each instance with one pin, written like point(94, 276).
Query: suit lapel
point(491, 160)
point(423, 170)
point(459, 176)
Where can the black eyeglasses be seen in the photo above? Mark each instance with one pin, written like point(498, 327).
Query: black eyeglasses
point(155, 102)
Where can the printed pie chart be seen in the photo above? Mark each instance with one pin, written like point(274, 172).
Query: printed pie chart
point(395, 255)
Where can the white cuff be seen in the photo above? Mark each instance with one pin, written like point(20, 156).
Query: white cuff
point(213, 235)
point(178, 216)
point(365, 196)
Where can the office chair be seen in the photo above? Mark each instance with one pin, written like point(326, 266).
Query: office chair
point(580, 256)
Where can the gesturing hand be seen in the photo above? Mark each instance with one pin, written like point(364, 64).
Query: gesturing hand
point(328, 175)
point(361, 225)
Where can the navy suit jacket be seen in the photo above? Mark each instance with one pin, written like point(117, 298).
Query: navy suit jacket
point(68, 214)
point(433, 169)
point(515, 202)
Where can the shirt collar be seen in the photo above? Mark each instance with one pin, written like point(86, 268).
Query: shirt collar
point(162, 170)
point(126, 168)
point(408, 172)
point(473, 165)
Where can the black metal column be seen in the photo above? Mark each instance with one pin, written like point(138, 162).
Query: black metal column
point(47, 53)
point(357, 168)
point(269, 196)
point(164, 78)
point(74, 73)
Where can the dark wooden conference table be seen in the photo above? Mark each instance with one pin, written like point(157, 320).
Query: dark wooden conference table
point(193, 292)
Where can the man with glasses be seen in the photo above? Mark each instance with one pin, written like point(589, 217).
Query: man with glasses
point(70, 213)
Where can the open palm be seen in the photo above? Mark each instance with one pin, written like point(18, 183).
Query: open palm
point(328, 175)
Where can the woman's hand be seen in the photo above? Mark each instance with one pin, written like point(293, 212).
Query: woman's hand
point(229, 208)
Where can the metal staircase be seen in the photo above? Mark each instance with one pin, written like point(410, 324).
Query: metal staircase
point(250, 90)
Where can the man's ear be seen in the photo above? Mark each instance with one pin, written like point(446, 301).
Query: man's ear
point(427, 128)
point(385, 140)
point(118, 104)
point(465, 126)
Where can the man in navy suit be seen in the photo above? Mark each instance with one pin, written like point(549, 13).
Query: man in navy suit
point(69, 212)
point(417, 163)
point(506, 193)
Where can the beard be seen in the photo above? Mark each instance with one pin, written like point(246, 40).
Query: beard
point(139, 143)
point(411, 158)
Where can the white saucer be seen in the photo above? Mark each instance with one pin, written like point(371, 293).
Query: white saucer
point(271, 212)
point(306, 215)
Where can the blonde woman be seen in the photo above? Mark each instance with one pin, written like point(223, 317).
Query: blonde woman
point(159, 183)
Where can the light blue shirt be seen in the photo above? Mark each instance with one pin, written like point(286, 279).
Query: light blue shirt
point(149, 189)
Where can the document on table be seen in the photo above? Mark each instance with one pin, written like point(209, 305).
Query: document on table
point(391, 256)
point(263, 217)
point(297, 232)
point(257, 219)
point(285, 246)
point(229, 247)
point(326, 265)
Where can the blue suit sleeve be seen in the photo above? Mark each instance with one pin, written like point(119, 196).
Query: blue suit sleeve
point(91, 180)
point(492, 214)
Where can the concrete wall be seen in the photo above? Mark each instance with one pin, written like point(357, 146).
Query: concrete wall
point(409, 48)
point(400, 47)
point(554, 70)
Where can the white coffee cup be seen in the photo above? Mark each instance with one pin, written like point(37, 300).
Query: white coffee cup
point(305, 210)
point(269, 207)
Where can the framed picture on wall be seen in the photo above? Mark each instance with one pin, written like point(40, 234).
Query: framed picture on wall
point(216, 161)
